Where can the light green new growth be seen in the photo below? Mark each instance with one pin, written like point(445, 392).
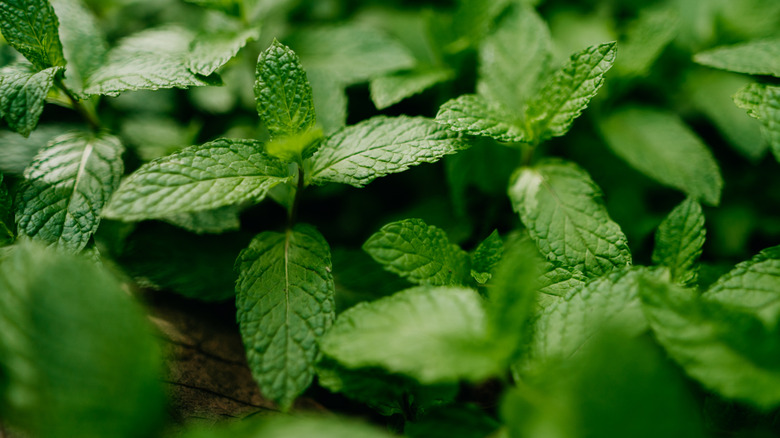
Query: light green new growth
point(210, 51)
point(473, 115)
point(389, 90)
point(660, 145)
point(679, 240)
point(222, 172)
point(23, 95)
point(380, 146)
point(285, 303)
point(284, 96)
point(760, 57)
point(486, 256)
point(552, 110)
point(419, 252)
point(563, 211)
point(79, 356)
point(148, 60)
point(30, 26)
point(433, 334)
point(66, 187)
point(762, 102)
point(295, 148)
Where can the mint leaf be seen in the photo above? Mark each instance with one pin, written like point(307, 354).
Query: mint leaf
point(284, 298)
point(660, 145)
point(380, 146)
point(219, 173)
point(762, 102)
point(330, 101)
point(210, 51)
point(564, 327)
point(23, 95)
point(513, 59)
point(559, 281)
point(730, 350)
point(66, 187)
point(61, 376)
point(148, 60)
point(214, 221)
point(563, 211)
point(759, 57)
point(563, 97)
point(359, 278)
point(419, 252)
point(645, 39)
point(232, 7)
point(282, 426)
point(349, 53)
point(473, 115)
point(752, 286)
point(486, 256)
point(18, 152)
point(433, 334)
point(84, 42)
point(283, 92)
point(295, 148)
point(473, 20)
point(6, 215)
point(389, 90)
point(679, 240)
point(30, 26)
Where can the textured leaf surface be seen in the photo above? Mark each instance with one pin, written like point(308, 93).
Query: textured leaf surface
point(84, 42)
point(729, 349)
point(564, 327)
point(760, 57)
point(30, 26)
point(486, 256)
point(419, 252)
point(149, 60)
point(679, 240)
point(67, 186)
point(473, 115)
point(23, 95)
point(560, 281)
point(211, 51)
point(380, 146)
point(349, 53)
point(389, 90)
point(565, 215)
point(283, 92)
point(661, 146)
point(513, 58)
point(284, 298)
point(763, 103)
point(434, 334)
point(72, 340)
point(222, 172)
point(563, 97)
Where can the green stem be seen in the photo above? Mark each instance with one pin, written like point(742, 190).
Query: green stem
point(292, 213)
point(75, 103)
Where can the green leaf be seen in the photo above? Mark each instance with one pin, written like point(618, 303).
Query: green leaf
point(6, 215)
point(389, 90)
point(84, 42)
point(359, 278)
point(18, 152)
point(387, 394)
point(148, 60)
point(486, 256)
point(513, 59)
point(660, 145)
point(232, 7)
point(560, 281)
point(23, 95)
point(473, 115)
point(752, 286)
point(297, 147)
point(79, 354)
point(214, 221)
point(350, 53)
point(284, 95)
point(565, 327)
point(67, 186)
point(679, 240)
point(210, 51)
point(566, 217)
point(283, 426)
point(330, 101)
point(419, 252)
point(759, 57)
point(284, 298)
point(728, 349)
point(551, 112)
point(645, 39)
point(30, 26)
point(762, 102)
point(219, 173)
point(473, 20)
point(380, 146)
point(433, 334)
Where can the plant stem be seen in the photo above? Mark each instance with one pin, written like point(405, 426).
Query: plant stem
point(293, 211)
point(88, 116)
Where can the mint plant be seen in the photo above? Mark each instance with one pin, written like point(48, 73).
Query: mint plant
point(507, 218)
